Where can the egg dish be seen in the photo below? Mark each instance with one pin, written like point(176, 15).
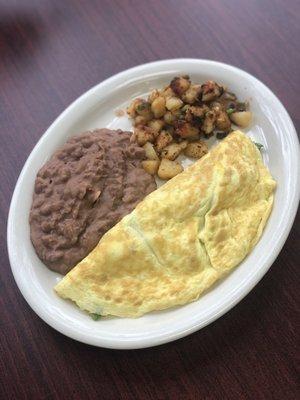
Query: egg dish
point(181, 238)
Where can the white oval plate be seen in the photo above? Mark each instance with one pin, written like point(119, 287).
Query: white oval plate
point(272, 127)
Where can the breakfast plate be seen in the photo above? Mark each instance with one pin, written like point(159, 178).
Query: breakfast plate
point(101, 107)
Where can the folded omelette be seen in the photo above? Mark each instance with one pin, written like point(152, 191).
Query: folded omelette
point(181, 238)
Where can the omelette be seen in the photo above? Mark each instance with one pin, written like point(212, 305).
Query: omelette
point(181, 238)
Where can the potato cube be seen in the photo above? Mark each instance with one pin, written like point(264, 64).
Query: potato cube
point(167, 92)
point(131, 109)
point(223, 122)
point(196, 149)
point(163, 139)
point(169, 118)
point(209, 122)
point(150, 151)
point(186, 130)
point(151, 166)
point(168, 169)
point(139, 120)
point(153, 95)
point(192, 94)
point(172, 151)
point(158, 107)
point(241, 118)
point(173, 103)
point(156, 125)
point(143, 134)
point(180, 84)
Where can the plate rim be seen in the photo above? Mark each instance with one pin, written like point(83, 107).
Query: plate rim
point(135, 343)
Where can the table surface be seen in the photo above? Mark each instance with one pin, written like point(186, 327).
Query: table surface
point(50, 53)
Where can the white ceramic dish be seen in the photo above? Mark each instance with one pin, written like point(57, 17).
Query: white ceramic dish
point(272, 127)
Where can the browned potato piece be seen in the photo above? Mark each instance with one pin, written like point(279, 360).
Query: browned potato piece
point(171, 151)
point(163, 139)
point(186, 130)
point(139, 120)
point(158, 107)
point(198, 111)
point(196, 149)
point(167, 92)
point(180, 84)
point(169, 118)
point(192, 94)
point(168, 169)
point(131, 110)
point(144, 110)
point(173, 103)
point(223, 122)
point(209, 122)
point(153, 95)
point(241, 118)
point(143, 134)
point(150, 151)
point(156, 125)
point(211, 90)
point(193, 113)
point(151, 166)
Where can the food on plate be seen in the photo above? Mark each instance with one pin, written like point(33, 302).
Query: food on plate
point(184, 112)
point(151, 166)
point(241, 118)
point(168, 169)
point(181, 238)
point(196, 149)
point(86, 187)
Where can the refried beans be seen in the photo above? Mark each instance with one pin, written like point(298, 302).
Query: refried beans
point(86, 187)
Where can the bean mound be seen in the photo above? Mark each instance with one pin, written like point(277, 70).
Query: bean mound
point(86, 187)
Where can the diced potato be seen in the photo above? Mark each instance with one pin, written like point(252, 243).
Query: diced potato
point(156, 125)
point(186, 130)
point(163, 139)
point(131, 110)
point(167, 92)
point(158, 107)
point(211, 90)
point(198, 111)
point(139, 120)
point(144, 109)
point(195, 114)
point(192, 94)
point(150, 151)
point(168, 169)
point(169, 118)
point(173, 103)
point(209, 122)
point(143, 134)
point(223, 122)
point(172, 151)
point(196, 149)
point(242, 118)
point(151, 166)
point(180, 84)
point(153, 95)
